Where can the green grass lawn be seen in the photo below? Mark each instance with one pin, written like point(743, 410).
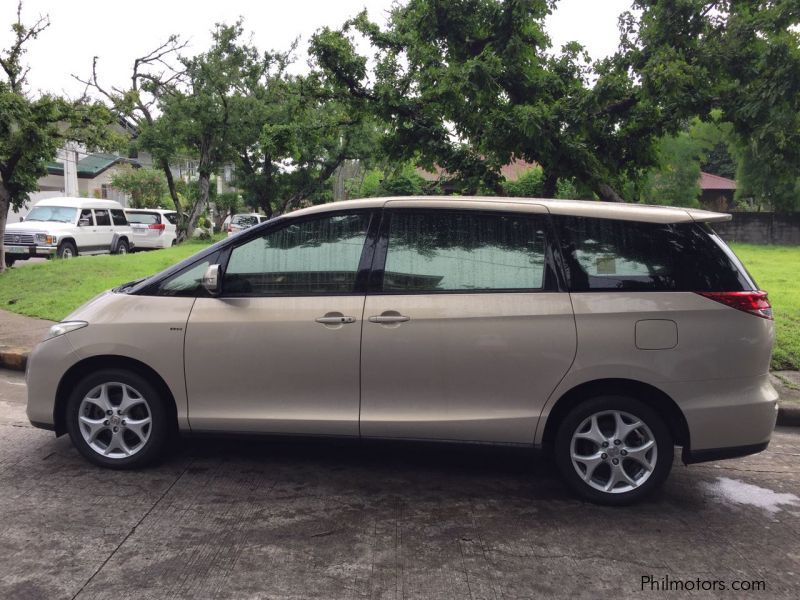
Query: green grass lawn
point(776, 269)
point(53, 289)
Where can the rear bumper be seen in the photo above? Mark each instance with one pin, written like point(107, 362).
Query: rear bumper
point(697, 456)
point(726, 417)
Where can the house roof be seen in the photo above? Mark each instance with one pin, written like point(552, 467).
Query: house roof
point(92, 165)
point(715, 182)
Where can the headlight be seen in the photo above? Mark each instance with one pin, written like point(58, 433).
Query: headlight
point(64, 327)
point(43, 238)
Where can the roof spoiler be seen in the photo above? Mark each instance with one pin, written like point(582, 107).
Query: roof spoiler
point(706, 216)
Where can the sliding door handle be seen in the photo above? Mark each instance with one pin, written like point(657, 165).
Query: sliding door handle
point(335, 320)
point(389, 319)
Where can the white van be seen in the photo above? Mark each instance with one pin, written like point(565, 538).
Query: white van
point(67, 227)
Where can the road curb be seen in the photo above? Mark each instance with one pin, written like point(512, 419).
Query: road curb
point(789, 416)
point(13, 358)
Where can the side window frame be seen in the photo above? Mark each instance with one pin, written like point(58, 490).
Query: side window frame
point(553, 278)
point(271, 226)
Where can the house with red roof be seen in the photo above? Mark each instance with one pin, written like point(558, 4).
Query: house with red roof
point(716, 193)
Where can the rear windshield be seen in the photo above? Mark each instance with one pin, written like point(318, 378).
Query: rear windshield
point(245, 220)
point(145, 218)
point(606, 254)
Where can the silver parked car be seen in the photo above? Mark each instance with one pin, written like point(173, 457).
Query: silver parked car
point(604, 333)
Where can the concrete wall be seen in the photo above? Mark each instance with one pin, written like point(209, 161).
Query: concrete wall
point(761, 228)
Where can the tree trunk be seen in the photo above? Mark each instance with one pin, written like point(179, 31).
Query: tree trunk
point(5, 205)
point(549, 185)
point(173, 193)
point(203, 183)
point(607, 193)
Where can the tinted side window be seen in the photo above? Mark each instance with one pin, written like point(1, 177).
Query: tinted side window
point(436, 251)
point(171, 217)
point(118, 216)
point(606, 254)
point(86, 214)
point(102, 217)
point(318, 256)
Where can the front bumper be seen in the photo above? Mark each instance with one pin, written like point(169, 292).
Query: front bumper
point(26, 252)
point(46, 366)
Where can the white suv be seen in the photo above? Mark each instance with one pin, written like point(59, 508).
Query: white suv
point(66, 227)
point(153, 227)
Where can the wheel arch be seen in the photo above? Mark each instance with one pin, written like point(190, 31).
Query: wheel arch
point(83, 368)
point(655, 398)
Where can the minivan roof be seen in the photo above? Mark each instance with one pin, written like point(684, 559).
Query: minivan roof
point(79, 203)
point(577, 208)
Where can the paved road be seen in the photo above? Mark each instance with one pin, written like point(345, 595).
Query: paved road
point(243, 519)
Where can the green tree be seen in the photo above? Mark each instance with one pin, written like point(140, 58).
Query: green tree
point(33, 129)
point(146, 187)
point(740, 59)
point(152, 76)
point(197, 113)
point(675, 181)
point(470, 85)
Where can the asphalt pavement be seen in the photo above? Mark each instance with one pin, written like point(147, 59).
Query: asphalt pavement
point(283, 519)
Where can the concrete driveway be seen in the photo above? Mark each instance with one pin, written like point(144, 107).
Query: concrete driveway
point(270, 519)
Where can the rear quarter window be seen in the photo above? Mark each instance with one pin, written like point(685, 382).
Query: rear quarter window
point(607, 254)
point(118, 216)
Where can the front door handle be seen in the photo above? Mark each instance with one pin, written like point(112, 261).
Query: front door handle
point(389, 319)
point(335, 320)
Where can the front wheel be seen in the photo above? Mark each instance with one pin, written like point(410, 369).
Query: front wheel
point(10, 261)
point(117, 419)
point(613, 450)
point(66, 249)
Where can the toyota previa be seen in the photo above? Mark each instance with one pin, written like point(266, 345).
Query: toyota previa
point(605, 334)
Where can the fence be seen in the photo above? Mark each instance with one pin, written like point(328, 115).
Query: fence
point(761, 228)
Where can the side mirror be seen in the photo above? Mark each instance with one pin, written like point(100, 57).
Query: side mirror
point(21, 219)
point(84, 223)
point(211, 280)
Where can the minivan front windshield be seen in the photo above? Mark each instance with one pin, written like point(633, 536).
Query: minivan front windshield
point(58, 214)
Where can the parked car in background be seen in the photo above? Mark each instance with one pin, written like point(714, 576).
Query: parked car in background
point(242, 221)
point(67, 227)
point(153, 227)
point(603, 333)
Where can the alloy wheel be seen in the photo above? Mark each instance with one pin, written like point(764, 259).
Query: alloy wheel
point(613, 451)
point(115, 420)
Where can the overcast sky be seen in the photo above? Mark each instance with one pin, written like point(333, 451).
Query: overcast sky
point(118, 32)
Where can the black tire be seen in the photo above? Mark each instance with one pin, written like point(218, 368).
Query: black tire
point(10, 261)
point(602, 405)
point(160, 429)
point(67, 249)
point(122, 247)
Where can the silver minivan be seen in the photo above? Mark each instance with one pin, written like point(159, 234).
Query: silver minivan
point(605, 334)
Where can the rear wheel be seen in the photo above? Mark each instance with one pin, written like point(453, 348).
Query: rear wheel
point(66, 249)
point(613, 450)
point(117, 419)
point(122, 247)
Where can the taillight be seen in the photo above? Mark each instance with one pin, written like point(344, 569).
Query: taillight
point(755, 303)
point(159, 226)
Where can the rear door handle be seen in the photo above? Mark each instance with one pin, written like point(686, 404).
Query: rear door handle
point(389, 319)
point(335, 320)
